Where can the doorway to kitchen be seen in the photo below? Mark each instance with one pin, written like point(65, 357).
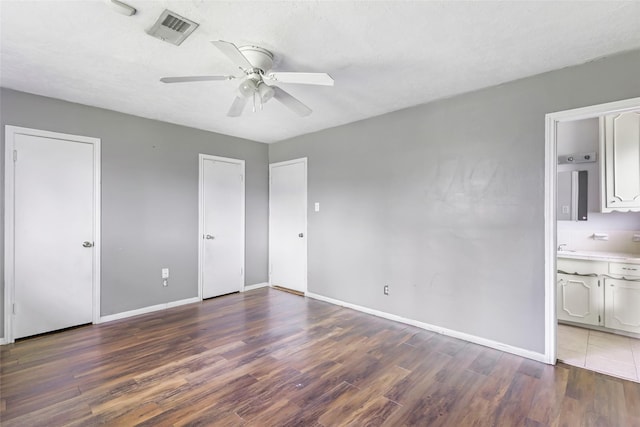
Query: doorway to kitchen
point(591, 256)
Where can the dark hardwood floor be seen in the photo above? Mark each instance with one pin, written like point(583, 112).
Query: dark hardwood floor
point(267, 358)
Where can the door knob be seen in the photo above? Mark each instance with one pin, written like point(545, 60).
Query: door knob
point(87, 244)
point(300, 235)
point(209, 237)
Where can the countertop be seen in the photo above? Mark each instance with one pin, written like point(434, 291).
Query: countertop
point(600, 256)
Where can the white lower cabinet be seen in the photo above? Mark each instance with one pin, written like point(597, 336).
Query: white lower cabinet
point(580, 299)
point(596, 293)
point(622, 309)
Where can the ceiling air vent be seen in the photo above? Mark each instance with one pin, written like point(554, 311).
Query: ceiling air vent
point(172, 28)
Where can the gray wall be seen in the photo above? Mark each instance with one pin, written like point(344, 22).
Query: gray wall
point(149, 196)
point(444, 203)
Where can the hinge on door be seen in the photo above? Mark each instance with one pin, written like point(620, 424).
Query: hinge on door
point(241, 178)
point(15, 155)
point(599, 319)
point(13, 308)
point(598, 283)
point(241, 271)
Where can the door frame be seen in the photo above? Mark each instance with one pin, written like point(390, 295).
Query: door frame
point(550, 226)
point(9, 219)
point(306, 215)
point(201, 230)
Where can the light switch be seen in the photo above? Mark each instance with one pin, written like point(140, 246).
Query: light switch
point(165, 273)
point(565, 209)
point(316, 206)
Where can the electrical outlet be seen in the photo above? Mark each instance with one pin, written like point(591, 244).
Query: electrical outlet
point(636, 238)
point(386, 289)
point(165, 282)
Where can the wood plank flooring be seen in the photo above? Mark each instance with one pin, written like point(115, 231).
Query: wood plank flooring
point(270, 358)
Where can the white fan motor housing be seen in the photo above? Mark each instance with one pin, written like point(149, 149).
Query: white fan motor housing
point(258, 57)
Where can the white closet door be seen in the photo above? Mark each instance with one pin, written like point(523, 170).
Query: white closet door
point(288, 224)
point(222, 192)
point(54, 238)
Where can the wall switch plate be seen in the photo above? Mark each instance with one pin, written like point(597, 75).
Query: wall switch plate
point(386, 289)
point(165, 273)
point(316, 206)
point(636, 238)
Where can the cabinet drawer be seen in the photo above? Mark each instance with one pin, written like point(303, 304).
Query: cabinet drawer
point(574, 266)
point(627, 270)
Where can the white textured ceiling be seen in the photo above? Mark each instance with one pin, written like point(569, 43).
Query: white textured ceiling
point(383, 55)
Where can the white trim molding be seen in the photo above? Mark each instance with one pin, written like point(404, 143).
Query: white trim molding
point(9, 220)
point(440, 330)
point(550, 232)
point(255, 286)
point(149, 309)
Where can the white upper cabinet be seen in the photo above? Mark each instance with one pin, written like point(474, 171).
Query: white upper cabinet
point(620, 165)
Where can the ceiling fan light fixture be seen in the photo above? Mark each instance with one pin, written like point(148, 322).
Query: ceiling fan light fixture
point(266, 92)
point(248, 87)
point(255, 62)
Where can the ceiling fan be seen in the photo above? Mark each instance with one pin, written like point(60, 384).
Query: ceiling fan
point(255, 64)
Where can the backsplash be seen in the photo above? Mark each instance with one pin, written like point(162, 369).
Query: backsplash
point(583, 240)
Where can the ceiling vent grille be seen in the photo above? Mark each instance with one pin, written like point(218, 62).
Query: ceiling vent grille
point(171, 27)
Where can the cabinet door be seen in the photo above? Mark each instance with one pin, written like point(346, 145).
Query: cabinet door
point(622, 305)
point(579, 299)
point(621, 175)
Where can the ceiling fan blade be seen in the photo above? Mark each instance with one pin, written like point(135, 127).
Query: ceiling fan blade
point(323, 79)
point(194, 79)
point(237, 106)
point(290, 102)
point(233, 53)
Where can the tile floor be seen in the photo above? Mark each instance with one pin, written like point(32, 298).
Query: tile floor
point(610, 354)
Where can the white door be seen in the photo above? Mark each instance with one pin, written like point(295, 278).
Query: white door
point(53, 231)
point(288, 224)
point(221, 225)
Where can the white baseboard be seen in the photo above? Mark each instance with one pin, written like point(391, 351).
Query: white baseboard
point(148, 309)
point(3, 341)
point(444, 331)
point(256, 286)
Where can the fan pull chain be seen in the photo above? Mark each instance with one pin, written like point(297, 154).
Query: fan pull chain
point(254, 102)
